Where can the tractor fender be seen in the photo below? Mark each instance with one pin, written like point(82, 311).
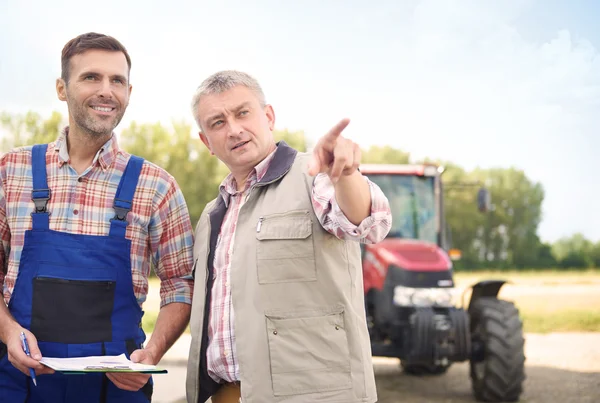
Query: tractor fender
point(485, 288)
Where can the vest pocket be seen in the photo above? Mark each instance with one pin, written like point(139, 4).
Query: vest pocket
point(308, 352)
point(72, 311)
point(285, 250)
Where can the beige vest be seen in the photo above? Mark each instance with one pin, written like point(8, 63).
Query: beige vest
point(297, 292)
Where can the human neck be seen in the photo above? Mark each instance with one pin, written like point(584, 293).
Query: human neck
point(242, 174)
point(241, 177)
point(83, 147)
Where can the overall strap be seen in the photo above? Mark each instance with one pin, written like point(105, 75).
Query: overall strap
point(124, 197)
point(40, 193)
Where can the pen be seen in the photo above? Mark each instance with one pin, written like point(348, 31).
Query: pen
point(26, 349)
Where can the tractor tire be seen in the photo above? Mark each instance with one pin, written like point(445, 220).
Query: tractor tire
point(497, 367)
point(424, 370)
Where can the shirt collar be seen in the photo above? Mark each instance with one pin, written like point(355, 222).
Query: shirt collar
point(229, 186)
point(104, 157)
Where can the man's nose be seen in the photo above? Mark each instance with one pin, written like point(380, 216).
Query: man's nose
point(235, 129)
point(105, 89)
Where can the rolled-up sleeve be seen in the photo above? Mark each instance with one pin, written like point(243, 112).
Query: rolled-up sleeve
point(173, 253)
point(372, 229)
point(4, 237)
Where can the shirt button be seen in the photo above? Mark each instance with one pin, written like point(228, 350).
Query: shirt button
point(80, 180)
point(75, 211)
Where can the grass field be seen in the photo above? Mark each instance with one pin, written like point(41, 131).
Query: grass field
point(549, 301)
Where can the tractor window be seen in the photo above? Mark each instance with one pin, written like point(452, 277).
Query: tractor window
point(412, 201)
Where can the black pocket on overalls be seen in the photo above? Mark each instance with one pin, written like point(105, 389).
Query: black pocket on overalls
point(3, 350)
point(72, 311)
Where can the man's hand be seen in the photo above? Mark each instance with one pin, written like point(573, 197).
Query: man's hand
point(17, 356)
point(134, 382)
point(170, 324)
point(340, 159)
point(335, 155)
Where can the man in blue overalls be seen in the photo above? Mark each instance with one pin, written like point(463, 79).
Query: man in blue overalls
point(81, 225)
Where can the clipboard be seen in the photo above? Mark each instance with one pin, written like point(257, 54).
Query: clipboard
point(104, 363)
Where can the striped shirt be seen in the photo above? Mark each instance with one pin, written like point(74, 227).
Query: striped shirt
point(221, 351)
point(159, 225)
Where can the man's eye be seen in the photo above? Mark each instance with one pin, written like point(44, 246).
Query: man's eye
point(217, 123)
point(118, 81)
point(243, 113)
point(89, 77)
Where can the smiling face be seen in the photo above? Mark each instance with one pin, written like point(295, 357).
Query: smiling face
point(237, 129)
point(97, 92)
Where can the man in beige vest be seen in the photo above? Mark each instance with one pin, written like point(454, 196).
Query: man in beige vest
point(278, 312)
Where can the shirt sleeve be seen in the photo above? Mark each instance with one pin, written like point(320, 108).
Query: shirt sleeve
point(4, 234)
point(172, 242)
point(372, 229)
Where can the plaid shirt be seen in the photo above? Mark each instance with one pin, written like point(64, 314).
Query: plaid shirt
point(159, 225)
point(221, 352)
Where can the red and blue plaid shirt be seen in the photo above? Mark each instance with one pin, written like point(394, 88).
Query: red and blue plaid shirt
point(159, 225)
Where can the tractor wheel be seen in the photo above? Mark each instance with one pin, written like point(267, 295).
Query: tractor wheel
point(422, 370)
point(498, 358)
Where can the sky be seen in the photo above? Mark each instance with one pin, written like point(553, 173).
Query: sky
point(512, 83)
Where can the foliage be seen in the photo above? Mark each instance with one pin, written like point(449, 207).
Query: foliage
point(295, 140)
point(28, 129)
point(384, 155)
point(505, 237)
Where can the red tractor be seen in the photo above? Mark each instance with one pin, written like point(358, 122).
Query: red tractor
point(409, 292)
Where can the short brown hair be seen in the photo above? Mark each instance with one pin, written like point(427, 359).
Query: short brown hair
point(89, 41)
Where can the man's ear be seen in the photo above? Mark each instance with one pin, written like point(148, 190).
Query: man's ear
point(270, 116)
point(61, 89)
point(205, 141)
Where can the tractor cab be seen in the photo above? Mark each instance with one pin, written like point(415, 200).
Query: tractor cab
point(417, 246)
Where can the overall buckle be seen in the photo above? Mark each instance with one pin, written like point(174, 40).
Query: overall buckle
point(41, 203)
point(120, 213)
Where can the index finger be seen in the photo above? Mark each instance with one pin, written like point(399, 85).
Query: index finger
point(336, 130)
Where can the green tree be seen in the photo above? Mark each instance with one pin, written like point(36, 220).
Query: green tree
point(384, 155)
point(546, 258)
point(511, 231)
point(464, 223)
point(595, 255)
point(295, 140)
point(506, 236)
point(28, 129)
point(574, 252)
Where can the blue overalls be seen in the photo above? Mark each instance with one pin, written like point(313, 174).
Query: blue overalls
point(75, 294)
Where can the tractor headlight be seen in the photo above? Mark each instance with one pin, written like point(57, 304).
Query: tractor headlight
point(408, 296)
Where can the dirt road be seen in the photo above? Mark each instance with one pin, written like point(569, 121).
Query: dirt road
point(561, 368)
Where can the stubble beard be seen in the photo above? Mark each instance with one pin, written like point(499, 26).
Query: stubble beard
point(91, 126)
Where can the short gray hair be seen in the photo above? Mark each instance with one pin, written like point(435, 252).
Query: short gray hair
point(223, 81)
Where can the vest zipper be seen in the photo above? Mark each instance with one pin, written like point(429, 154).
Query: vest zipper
point(279, 215)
